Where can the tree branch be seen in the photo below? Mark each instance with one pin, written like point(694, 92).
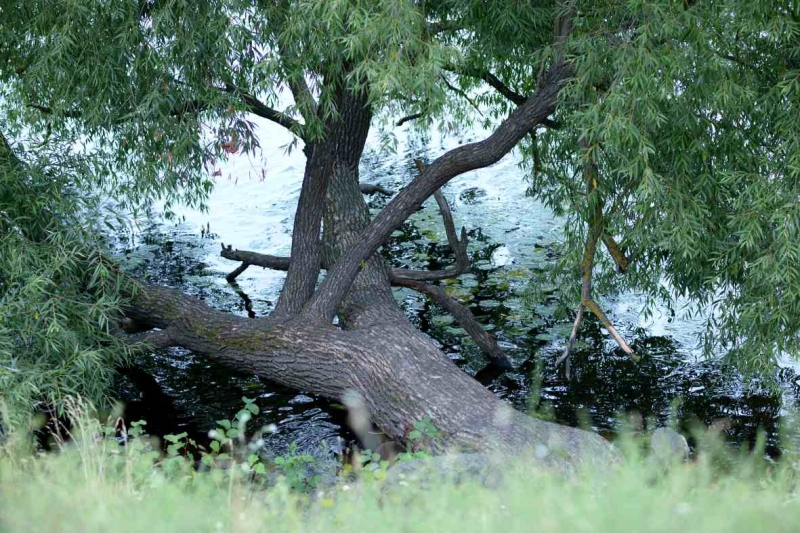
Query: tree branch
point(296, 81)
point(303, 98)
point(258, 108)
point(459, 247)
point(369, 188)
point(572, 337)
point(7, 154)
point(155, 339)
point(465, 319)
point(400, 373)
point(411, 279)
point(273, 262)
point(596, 229)
point(592, 306)
point(462, 94)
point(409, 118)
point(504, 90)
point(616, 253)
point(140, 336)
point(49, 111)
point(230, 278)
point(453, 163)
point(254, 106)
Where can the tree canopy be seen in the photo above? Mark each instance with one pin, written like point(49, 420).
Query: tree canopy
point(672, 152)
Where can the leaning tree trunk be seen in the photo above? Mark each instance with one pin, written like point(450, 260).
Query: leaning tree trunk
point(400, 372)
point(374, 350)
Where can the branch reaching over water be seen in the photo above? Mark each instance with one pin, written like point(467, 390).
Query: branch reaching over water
point(617, 254)
point(485, 341)
point(274, 262)
point(409, 118)
point(451, 164)
point(230, 278)
point(412, 279)
point(258, 108)
point(596, 229)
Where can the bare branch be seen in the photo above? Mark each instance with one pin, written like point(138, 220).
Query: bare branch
point(459, 246)
point(504, 90)
point(596, 229)
point(248, 303)
point(254, 258)
point(462, 94)
point(465, 319)
point(396, 276)
point(409, 118)
point(616, 253)
point(238, 271)
point(592, 306)
point(572, 337)
point(258, 108)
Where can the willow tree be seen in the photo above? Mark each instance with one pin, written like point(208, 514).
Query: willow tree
point(158, 91)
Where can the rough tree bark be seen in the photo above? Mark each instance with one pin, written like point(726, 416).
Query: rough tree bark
point(374, 350)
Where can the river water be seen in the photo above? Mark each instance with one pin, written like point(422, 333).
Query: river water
point(511, 237)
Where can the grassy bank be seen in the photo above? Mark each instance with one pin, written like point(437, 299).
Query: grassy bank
point(96, 485)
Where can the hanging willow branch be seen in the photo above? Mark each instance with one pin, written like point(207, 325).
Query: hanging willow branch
point(596, 229)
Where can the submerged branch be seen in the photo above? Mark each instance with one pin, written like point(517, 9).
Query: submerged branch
point(274, 262)
point(596, 229)
point(592, 306)
point(230, 278)
point(485, 341)
point(412, 279)
point(572, 337)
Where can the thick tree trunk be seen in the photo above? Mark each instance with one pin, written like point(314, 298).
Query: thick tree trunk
point(399, 371)
point(401, 374)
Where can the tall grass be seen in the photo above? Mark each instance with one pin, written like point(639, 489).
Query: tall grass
point(94, 484)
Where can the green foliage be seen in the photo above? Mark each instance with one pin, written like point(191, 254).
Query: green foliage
point(96, 484)
point(425, 433)
point(58, 294)
point(689, 112)
point(295, 470)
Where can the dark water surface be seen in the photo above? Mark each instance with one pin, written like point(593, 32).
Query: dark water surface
point(511, 238)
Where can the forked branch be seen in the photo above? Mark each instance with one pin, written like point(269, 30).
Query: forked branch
point(453, 163)
point(274, 262)
point(255, 106)
point(596, 229)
